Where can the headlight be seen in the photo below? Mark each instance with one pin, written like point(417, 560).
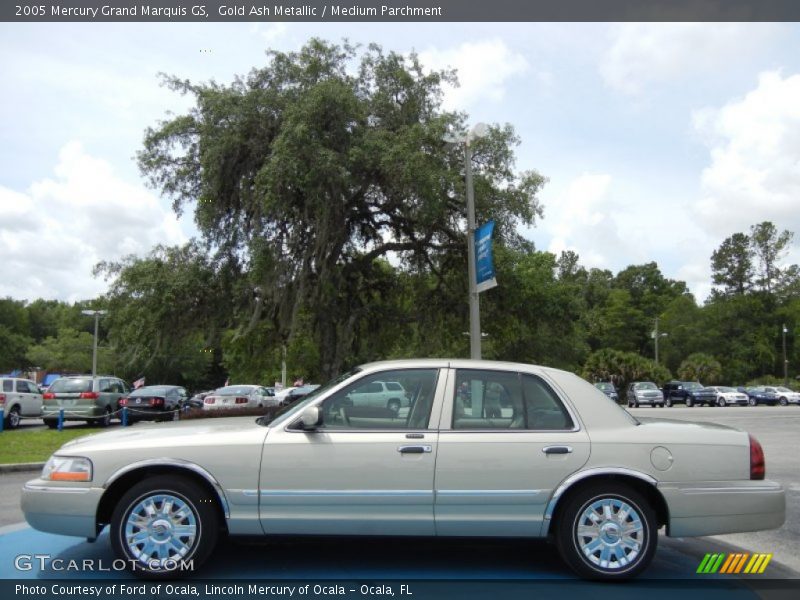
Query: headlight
point(67, 468)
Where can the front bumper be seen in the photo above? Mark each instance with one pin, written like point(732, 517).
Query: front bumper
point(66, 510)
point(719, 507)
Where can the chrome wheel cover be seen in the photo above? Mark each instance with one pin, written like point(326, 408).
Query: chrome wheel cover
point(610, 534)
point(160, 529)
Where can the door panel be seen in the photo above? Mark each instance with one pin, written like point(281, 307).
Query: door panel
point(494, 472)
point(366, 470)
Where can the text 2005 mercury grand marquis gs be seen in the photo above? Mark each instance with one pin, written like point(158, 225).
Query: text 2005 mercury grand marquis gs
point(483, 449)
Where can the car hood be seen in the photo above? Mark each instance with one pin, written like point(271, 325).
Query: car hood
point(166, 434)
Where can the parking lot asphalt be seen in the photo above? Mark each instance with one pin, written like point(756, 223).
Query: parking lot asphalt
point(775, 427)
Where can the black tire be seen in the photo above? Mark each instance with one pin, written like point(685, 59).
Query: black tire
point(103, 421)
point(574, 548)
point(752, 402)
point(393, 405)
point(783, 402)
point(12, 418)
point(689, 402)
point(201, 515)
point(668, 402)
point(721, 401)
point(51, 423)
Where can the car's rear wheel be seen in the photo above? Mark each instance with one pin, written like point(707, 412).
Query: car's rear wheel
point(12, 418)
point(668, 402)
point(393, 405)
point(51, 423)
point(162, 524)
point(721, 401)
point(607, 531)
point(105, 420)
point(689, 402)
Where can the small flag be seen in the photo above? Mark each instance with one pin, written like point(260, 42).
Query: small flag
point(138, 383)
point(227, 382)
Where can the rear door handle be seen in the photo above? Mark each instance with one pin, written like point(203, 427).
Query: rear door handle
point(413, 449)
point(557, 450)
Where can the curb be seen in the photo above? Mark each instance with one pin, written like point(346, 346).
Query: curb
point(21, 467)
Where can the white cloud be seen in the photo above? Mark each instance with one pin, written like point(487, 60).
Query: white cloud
point(754, 144)
point(54, 233)
point(575, 218)
point(645, 53)
point(484, 68)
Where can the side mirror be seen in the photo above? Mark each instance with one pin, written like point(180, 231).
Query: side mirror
point(310, 418)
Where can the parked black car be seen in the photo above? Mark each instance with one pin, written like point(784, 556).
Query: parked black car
point(154, 402)
point(762, 394)
point(690, 393)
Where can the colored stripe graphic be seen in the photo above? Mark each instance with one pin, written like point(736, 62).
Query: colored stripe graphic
point(734, 563)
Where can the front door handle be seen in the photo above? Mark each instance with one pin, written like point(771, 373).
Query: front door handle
point(557, 450)
point(413, 449)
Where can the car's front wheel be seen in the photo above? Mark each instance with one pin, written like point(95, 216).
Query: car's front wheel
point(721, 401)
point(607, 531)
point(753, 402)
point(689, 402)
point(164, 526)
point(784, 402)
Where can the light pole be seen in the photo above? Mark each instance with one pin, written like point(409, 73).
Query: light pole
point(96, 314)
point(474, 302)
point(656, 335)
point(785, 360)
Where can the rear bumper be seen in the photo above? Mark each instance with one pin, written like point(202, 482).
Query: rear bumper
point(62, 510)
point(74, 413)
point(719, 507)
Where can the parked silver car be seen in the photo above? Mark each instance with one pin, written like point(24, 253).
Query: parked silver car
point(644, 393)
point(83, 398)
point(19, 398)
point(239, 396)
point(554, 457)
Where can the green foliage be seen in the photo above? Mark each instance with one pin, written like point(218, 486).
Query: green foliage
point(310, 172)
point(622, 368)
point(701, 367)
point(69, 351)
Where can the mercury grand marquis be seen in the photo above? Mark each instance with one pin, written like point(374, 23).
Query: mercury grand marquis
point(482, 449)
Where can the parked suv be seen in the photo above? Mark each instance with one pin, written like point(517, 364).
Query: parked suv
point(690, 393)
point(84, 399)
point(387, 394)
point(644, 392)
point(19, 398)
point(608, 389)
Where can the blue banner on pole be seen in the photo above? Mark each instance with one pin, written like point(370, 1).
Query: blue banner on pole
point(484, 260)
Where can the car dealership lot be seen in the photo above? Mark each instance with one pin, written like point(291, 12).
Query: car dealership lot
point(775, 427)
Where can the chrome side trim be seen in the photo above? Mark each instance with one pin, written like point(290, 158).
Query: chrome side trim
point(734, 490)
point(580, 476)
point(488, 492)
point(174, 462)
point(57, 490)
point(269, 493)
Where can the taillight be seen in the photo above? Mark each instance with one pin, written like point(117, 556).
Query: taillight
point(758, 467)
point(209, 400)
point(156, 401)
point(89, 395)
point(241, 401)
point(2, 398)
point(48, 396)
point(123, 402)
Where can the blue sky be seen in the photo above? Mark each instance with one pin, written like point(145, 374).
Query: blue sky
point(659, 140)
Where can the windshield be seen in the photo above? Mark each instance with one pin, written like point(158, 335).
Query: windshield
point(295, 408)
point(646, 385)
point(606, 387)
point(692, 386)
point(725, 389)
point(784, 390)
point(70, 385)
point(233, 390)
